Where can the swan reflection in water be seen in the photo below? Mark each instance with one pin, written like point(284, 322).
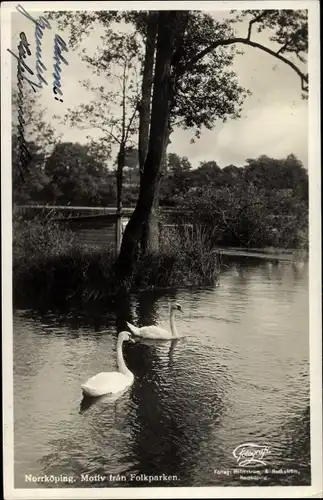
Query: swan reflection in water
point(108, 399)
point(163, 350)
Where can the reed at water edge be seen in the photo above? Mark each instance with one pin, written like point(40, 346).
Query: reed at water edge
point(51, 267)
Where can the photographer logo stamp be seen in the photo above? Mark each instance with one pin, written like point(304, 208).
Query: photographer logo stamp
point(251, 454)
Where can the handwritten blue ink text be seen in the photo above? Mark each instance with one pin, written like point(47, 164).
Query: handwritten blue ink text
point(41, 23)
point(59, 46)
point(24, 154)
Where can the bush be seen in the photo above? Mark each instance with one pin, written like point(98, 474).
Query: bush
point(184, 259)
point(249, 216)
point(51, 266)
point(38, 240)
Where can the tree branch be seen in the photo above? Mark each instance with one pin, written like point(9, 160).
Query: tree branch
point(130, 123)
point(244, 41)
point(95, 125)
point(256, 203)
point(304, 87)
point(228, 226)
point(124, 93)
point(178, 123)
point(283, 47)
point(114, 136)
point(253, 21)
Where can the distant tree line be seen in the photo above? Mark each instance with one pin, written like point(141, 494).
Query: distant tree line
point(263, 203)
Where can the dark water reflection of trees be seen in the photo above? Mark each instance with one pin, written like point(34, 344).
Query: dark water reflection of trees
point(168, 426)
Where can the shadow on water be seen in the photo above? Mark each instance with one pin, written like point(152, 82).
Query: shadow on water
point(107, 399)
point(87, 402)
point(93, 319)
point(167, 427)
point(97, 317)
point(297, 449)
point(169, 430)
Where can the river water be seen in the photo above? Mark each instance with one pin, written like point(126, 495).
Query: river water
point(240, 375)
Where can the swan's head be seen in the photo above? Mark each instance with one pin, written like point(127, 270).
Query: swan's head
point(126, 336)
point(176, 307)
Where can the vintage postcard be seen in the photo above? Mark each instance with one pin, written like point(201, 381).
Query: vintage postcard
point(161, 242)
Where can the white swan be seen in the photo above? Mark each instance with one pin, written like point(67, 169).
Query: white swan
point(156, 332)
point(111, 382)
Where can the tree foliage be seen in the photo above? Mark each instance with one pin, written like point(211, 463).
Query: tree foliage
point(76, 176)
point(263, 203)
point(40, 138)
point(289, 28)
point(58, 173)
point(210, 90)
point(113, 106)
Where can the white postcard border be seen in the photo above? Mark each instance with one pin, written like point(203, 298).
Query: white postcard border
point(315, 490)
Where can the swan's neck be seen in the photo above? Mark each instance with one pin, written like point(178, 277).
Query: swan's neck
point(172, 323)
point(121, 364)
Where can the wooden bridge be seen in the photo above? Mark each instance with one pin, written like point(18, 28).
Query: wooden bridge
point(101, 227)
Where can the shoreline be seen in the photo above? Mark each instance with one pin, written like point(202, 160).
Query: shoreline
point(271, 253)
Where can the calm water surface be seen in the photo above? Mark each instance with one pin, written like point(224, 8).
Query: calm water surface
point(240, 375)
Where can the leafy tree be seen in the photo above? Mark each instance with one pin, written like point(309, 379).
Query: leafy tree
point(208, 173)
point(175, 61)
point(40, 138)
point(260, 204)
point(287, 173)
point(27, 188)
point(231, 174)
point(234, 214)
point(176, 164)
point(113, 109)
point(247, 215)
point(176, 179)
point(77, 176)
point(58, 172)
point(172, 27)
point(191, 106)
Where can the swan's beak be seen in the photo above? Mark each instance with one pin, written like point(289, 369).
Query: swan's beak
point(132, 340)
point(181, 310)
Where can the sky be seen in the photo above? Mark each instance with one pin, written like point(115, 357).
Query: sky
point(274, 120)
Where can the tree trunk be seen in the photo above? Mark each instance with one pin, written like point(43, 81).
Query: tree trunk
point(147, 83)
point(151, 175)
point(119, 175)
point(150, 234)
point(120, 163)
point(147, 242)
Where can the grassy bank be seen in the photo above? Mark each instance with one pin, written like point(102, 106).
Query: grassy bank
point(50, 266)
